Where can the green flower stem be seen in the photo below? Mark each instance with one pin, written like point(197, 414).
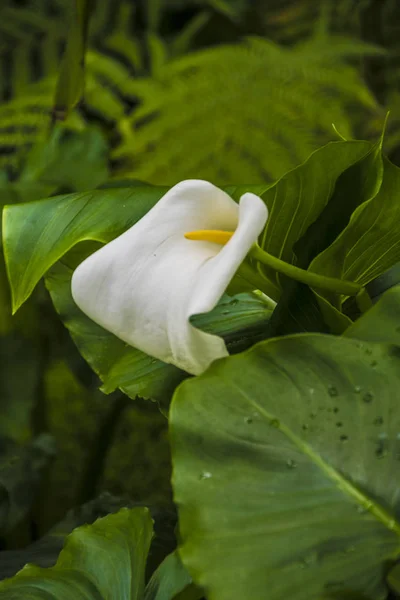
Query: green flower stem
point(330, 284)
point(363, 300)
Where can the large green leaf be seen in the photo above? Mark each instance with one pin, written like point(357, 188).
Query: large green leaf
point(45, 551)
point(37, 234)
point(103, 561)
point(285, 467)
point(370, 244)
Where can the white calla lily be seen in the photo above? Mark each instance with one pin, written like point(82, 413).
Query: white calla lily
point(146, 284)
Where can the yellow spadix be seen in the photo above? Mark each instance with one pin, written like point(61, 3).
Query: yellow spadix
point(210, 235)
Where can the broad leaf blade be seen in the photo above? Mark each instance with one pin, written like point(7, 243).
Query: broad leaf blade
point(370, 244)
point(100, 561)
point(295, 490)
point(37, 234)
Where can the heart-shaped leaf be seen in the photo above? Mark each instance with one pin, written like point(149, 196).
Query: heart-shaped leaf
point(285, 466)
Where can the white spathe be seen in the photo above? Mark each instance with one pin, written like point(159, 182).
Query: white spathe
point(144, 285)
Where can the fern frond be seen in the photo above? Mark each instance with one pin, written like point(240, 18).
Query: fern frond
point(27, 116)
point(247, 112)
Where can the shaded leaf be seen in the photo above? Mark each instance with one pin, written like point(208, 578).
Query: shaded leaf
point(45, 551)
point(99, 561)
point(370, 244)
point(21, 469)
point(74, 416)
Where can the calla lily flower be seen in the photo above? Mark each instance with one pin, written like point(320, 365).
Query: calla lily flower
point(146, 284)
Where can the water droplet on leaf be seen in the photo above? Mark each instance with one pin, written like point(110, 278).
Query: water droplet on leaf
point(368, 397)
point(291, 464)
point(205, 475)
point(274, 423)
point(357, 389)
point(332, 391)
point(248, 420)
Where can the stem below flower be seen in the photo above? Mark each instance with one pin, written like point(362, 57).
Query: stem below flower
point(330, 284)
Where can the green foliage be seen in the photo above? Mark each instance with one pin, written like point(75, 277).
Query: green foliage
point(45, 382)
point(105, 560)
point(241, 112)
point(102, 215)
point(263, 121)
point(25, 120)
point(340, 179)
point(361, 253)
point(71, 80)
point(301, 435)
point(284, 456)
